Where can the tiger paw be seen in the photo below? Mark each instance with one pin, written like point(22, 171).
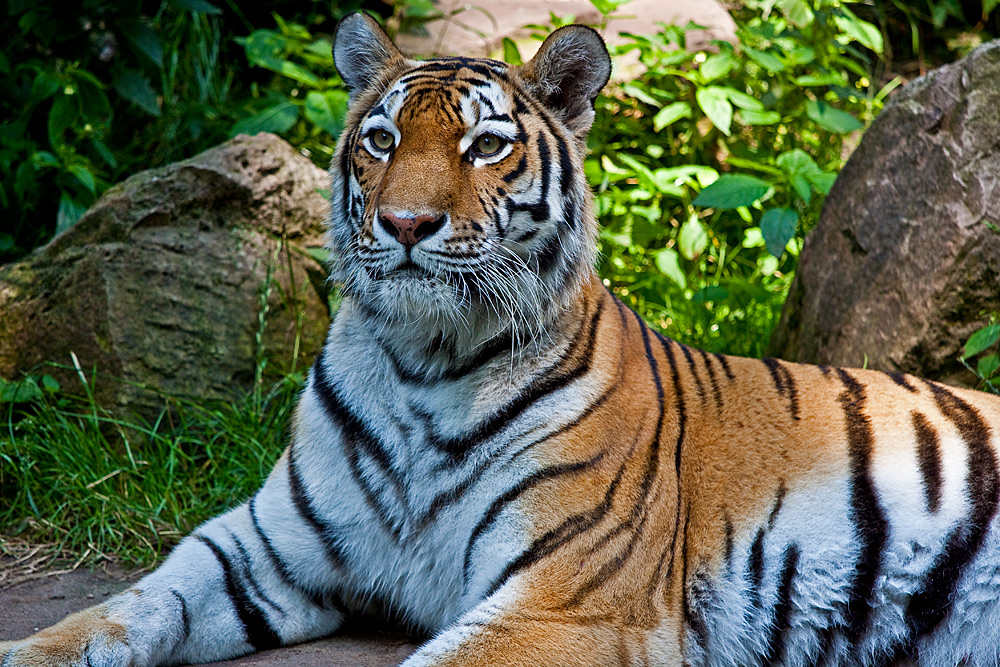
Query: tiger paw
point(87, 638)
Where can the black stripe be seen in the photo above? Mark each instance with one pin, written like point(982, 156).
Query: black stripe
point(357, 439)
point(256, 628)
point(522, 165)
point(548, 382)
point(566, 170)
point(540, 209)
point(246, 572)
point(929, 606)
point(301, 502)
point(490, 516)
point(870, 524)
point(782, 607)
point(725, 365)
point(279, 565)
point(185, 617)
point(559, 536)
point(713, 380)
point(680, 409)
point(699, 386)
point(452, 495)
point(929, 459)
point(784, 383)
point(902, 381)
point(779, 499)
point(755, 568)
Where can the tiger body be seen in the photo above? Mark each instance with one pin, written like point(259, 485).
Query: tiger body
point(497, 450)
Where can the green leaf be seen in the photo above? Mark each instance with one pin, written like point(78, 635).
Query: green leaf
point(732, 191)
point(692, 238)
point(24, 391)
point(671, 114)
point(749, 117)
point(6, 242)
point(42, 159)
point(989, 6)
point(669, 264)
point(796, 11)
point(144, 39)
point(714, 101)
point(716, 66)
point(298, 73)
point(102, 149)
point(827, 79)
point(777, 226)
point(70, 210)
point(327, 110)
point(743, 101)
point(822, 181)
point(43, 87)
point(982, 339)
point(264, 48)
point(199, 6)
point(84, 176)
point(62, 115)
point(767, 60)
point(135, 88)
point(640, 94)
point(832, 119)
point(988, 365)
point(861, 31)
point(511, 54)
point(798, 165)
point(279, 119)
point(49, 383)
point(710, 293)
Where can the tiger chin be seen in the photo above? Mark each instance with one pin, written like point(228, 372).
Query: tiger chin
point(497, 449)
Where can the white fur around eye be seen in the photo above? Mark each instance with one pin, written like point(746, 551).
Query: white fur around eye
point(372, 125)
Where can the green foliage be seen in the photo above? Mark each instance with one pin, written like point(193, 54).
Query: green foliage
point(74, 475)
point(305, 101)
point(93, 91)
point(981, 355)
point(712, 165)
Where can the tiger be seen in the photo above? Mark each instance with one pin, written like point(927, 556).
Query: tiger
point(495, 449)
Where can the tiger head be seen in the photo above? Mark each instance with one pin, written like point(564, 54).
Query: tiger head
point(459, 205)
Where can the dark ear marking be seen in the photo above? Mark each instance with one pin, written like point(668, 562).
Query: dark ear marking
point(568, 72)
point(362, 51)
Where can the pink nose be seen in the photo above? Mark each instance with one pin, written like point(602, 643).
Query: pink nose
point(409, 231)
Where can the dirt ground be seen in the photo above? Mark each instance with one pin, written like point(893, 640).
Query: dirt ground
point(33, 605)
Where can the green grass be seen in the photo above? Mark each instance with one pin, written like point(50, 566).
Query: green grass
point(76, 477)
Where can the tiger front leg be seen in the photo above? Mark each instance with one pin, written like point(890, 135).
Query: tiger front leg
point(225, 591)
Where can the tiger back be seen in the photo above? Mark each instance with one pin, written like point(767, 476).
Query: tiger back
point(495, 448)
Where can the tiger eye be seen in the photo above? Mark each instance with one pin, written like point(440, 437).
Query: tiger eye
point(382, 140)
point(489, 144)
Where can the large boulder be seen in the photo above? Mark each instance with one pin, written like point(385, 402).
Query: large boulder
point(906, 255)
point(162, 282)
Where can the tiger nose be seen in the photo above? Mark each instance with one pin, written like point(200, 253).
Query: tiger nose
point(409, 231)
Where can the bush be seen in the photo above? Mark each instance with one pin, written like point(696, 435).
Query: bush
point(711, 167)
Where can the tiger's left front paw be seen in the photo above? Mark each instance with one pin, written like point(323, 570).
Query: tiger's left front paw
point(85, 639)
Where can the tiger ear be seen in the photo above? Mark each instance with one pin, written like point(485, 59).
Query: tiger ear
point(567, 73)
point(362, 51)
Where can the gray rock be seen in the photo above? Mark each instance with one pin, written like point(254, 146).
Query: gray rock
point(160, 283)
point(903, 259)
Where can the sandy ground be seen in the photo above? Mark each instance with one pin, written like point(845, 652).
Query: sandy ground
point(33, 605)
